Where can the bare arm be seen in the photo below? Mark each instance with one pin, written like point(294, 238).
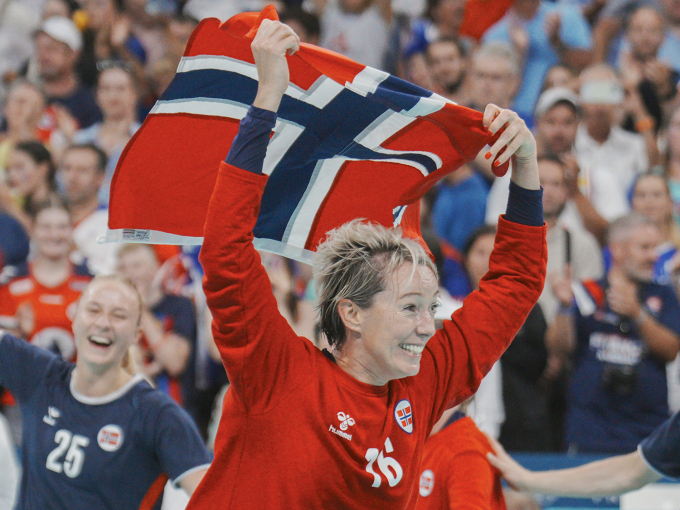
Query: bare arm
point(604, 32)
point(170, 350)
point(608, 477)
point(191, 481)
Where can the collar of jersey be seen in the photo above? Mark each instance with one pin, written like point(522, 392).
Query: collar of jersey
point(97, 401)
point(355, 384)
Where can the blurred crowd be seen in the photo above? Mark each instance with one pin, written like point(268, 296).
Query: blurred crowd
point(592, 370)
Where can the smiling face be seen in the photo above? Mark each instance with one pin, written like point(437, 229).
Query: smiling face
point(390, 335)
point(24, 175)
point(116, 94)
point(105, 323)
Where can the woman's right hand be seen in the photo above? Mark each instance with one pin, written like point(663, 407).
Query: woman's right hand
point(272, 43)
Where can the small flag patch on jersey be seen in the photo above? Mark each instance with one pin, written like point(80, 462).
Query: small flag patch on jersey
point(110, 438)
point(404, 415)
point(426, 483)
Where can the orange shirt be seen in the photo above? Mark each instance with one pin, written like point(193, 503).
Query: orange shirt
point(455, 473)
point(480, 15)
point(47, 311)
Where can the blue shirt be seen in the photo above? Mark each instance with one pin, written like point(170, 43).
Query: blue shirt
point(81, 452)
point(541, 56)
point(661, 450)
point(601, 418)
point(13, 241)
point(459, 209)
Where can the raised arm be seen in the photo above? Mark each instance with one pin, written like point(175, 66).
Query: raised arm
point(258, 347)
point(608, 477)
point(478, 333)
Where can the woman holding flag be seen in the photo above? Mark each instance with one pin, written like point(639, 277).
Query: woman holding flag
point(346, 428)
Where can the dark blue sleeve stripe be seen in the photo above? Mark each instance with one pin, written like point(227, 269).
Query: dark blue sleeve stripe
point(250, 144)
point(525, 206)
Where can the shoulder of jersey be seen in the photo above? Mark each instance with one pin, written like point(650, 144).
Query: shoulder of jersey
point(10, 273)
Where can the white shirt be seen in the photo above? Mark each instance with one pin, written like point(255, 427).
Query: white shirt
point(361, 37)
point(101, 258)
point(608, 170)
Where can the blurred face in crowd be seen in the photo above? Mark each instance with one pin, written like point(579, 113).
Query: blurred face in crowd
point(106, 323)
point(398, 324)
point(646, 33)
point(477, 259)
point(449, 14)
point(446, 64)
point(24, 175)
point(55, 8)
point(116, 94)
point(652, 198)
point(637, 254)
point(140, 265)
point(52, 233)
point(55, 59)
point(80, 175)
point(278, 272)
point(556, 129)
point(24, 107)
point(492, 81)
point(599, 117)
point(100, 13)
point(418, 71)
point(555, 193)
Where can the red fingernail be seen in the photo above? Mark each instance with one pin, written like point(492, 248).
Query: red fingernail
point(488, 155)
point(497, 163)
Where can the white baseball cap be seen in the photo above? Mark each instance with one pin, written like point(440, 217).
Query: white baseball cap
point(552, 96)
point(63, 30)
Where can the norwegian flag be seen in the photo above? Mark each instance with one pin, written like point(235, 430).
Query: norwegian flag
point(350, 142)
point(405, 417)
point(110, 438)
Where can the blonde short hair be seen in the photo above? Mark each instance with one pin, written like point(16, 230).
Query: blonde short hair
point(354, 263)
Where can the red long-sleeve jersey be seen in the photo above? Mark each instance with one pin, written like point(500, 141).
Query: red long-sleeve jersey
point(299, 432)
point(455, 473)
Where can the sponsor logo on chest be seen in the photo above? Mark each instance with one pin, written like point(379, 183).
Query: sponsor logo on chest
point(345, 422)
point(403, 414)
point(110, 438)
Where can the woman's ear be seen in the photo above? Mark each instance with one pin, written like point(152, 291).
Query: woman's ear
point(350, 314)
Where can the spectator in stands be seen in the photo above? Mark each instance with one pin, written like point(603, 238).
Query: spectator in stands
point(107, 37)
point(460, 205)
point(57, 46)
point(37, 299)
point(81, 174)
point(177, 33)
point(561, 76)
point(23, 110)
point(672, 159)
point(494, 76)
point(168, 326)
point(117, 97)
point(30, 181)
point(622, 330)
point(442, 20)
point(357, 29)
point(299, 313)
point(544, 34)
point(617, 14)
point(303, 23)
point(446, 60)
point(572, 252)
point(609, 158)
point(652, 198)
point(650, 80)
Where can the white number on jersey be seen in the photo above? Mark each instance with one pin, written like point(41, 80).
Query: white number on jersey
point(75, 456)
point(388, 466)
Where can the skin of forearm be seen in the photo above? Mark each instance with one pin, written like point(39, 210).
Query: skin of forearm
point(577, 58)
point(525, 173)
point(173, 353)
point(603, 34)
point(662, 342)
point(559, 338)
point(607, 477)
point(594, 223)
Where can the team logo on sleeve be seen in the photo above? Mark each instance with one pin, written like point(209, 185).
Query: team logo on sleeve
point(426, 483)
point(404, 415)
point(110, 438)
